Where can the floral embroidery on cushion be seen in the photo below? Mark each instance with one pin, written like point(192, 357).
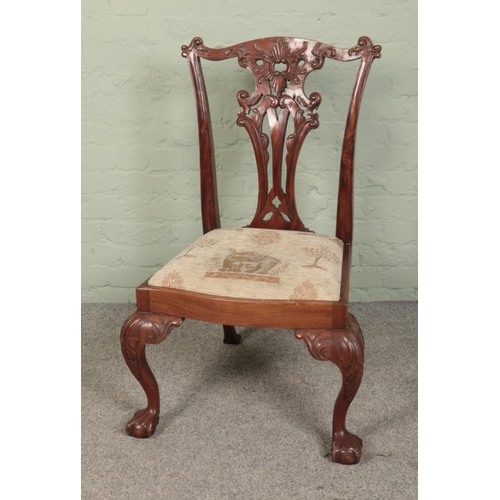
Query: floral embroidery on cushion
point(246, 265)
point(305, 291)
point(203, 243)
point(266, 238)
point(173, 280)
point(321, 253)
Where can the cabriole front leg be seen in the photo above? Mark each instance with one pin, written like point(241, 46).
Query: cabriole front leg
point(139, 329)
point(346, 349)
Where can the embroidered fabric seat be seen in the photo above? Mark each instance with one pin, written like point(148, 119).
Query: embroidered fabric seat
point(258, 264)
point(273, 273)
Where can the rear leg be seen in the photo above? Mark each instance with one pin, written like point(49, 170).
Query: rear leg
point(230, 335)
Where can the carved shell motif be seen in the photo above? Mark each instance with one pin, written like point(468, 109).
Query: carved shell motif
point(280, 64)
point(281, 53)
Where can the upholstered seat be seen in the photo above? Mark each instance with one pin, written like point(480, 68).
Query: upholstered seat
point(252, 263)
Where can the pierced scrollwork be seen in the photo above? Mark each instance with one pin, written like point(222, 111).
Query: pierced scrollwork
point(246, 101)
point(280, 67)
point(311, 104)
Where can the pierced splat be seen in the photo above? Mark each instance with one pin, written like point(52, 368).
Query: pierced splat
point(280, 67)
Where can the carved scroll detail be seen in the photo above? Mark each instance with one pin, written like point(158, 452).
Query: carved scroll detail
point(241, 53)
point(318, 342)
point(321, 51)
point(197, 45)
point(143, 328)
point(365, 44)
point(345, 348)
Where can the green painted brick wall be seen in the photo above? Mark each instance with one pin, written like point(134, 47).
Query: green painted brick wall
point(140, 192)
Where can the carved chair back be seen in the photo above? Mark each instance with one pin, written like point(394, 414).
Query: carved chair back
point(280, 66)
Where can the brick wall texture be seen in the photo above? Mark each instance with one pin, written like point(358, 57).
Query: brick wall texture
point(140, 180)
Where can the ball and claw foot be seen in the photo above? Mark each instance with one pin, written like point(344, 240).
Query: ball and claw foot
point(346, 448)
point(143, 424)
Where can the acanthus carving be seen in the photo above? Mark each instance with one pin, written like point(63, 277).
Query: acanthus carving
point(345, 348)
point(280, 53)
point(241, 53)
point(263, 61)
point(318, 342)
point(143, 328)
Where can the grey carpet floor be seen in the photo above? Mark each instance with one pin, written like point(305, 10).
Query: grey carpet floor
point(251, 421)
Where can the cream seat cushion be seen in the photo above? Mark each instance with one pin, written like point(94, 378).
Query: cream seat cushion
point(258, 264)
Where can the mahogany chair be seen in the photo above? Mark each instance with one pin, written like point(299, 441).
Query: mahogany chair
point(274, 272)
